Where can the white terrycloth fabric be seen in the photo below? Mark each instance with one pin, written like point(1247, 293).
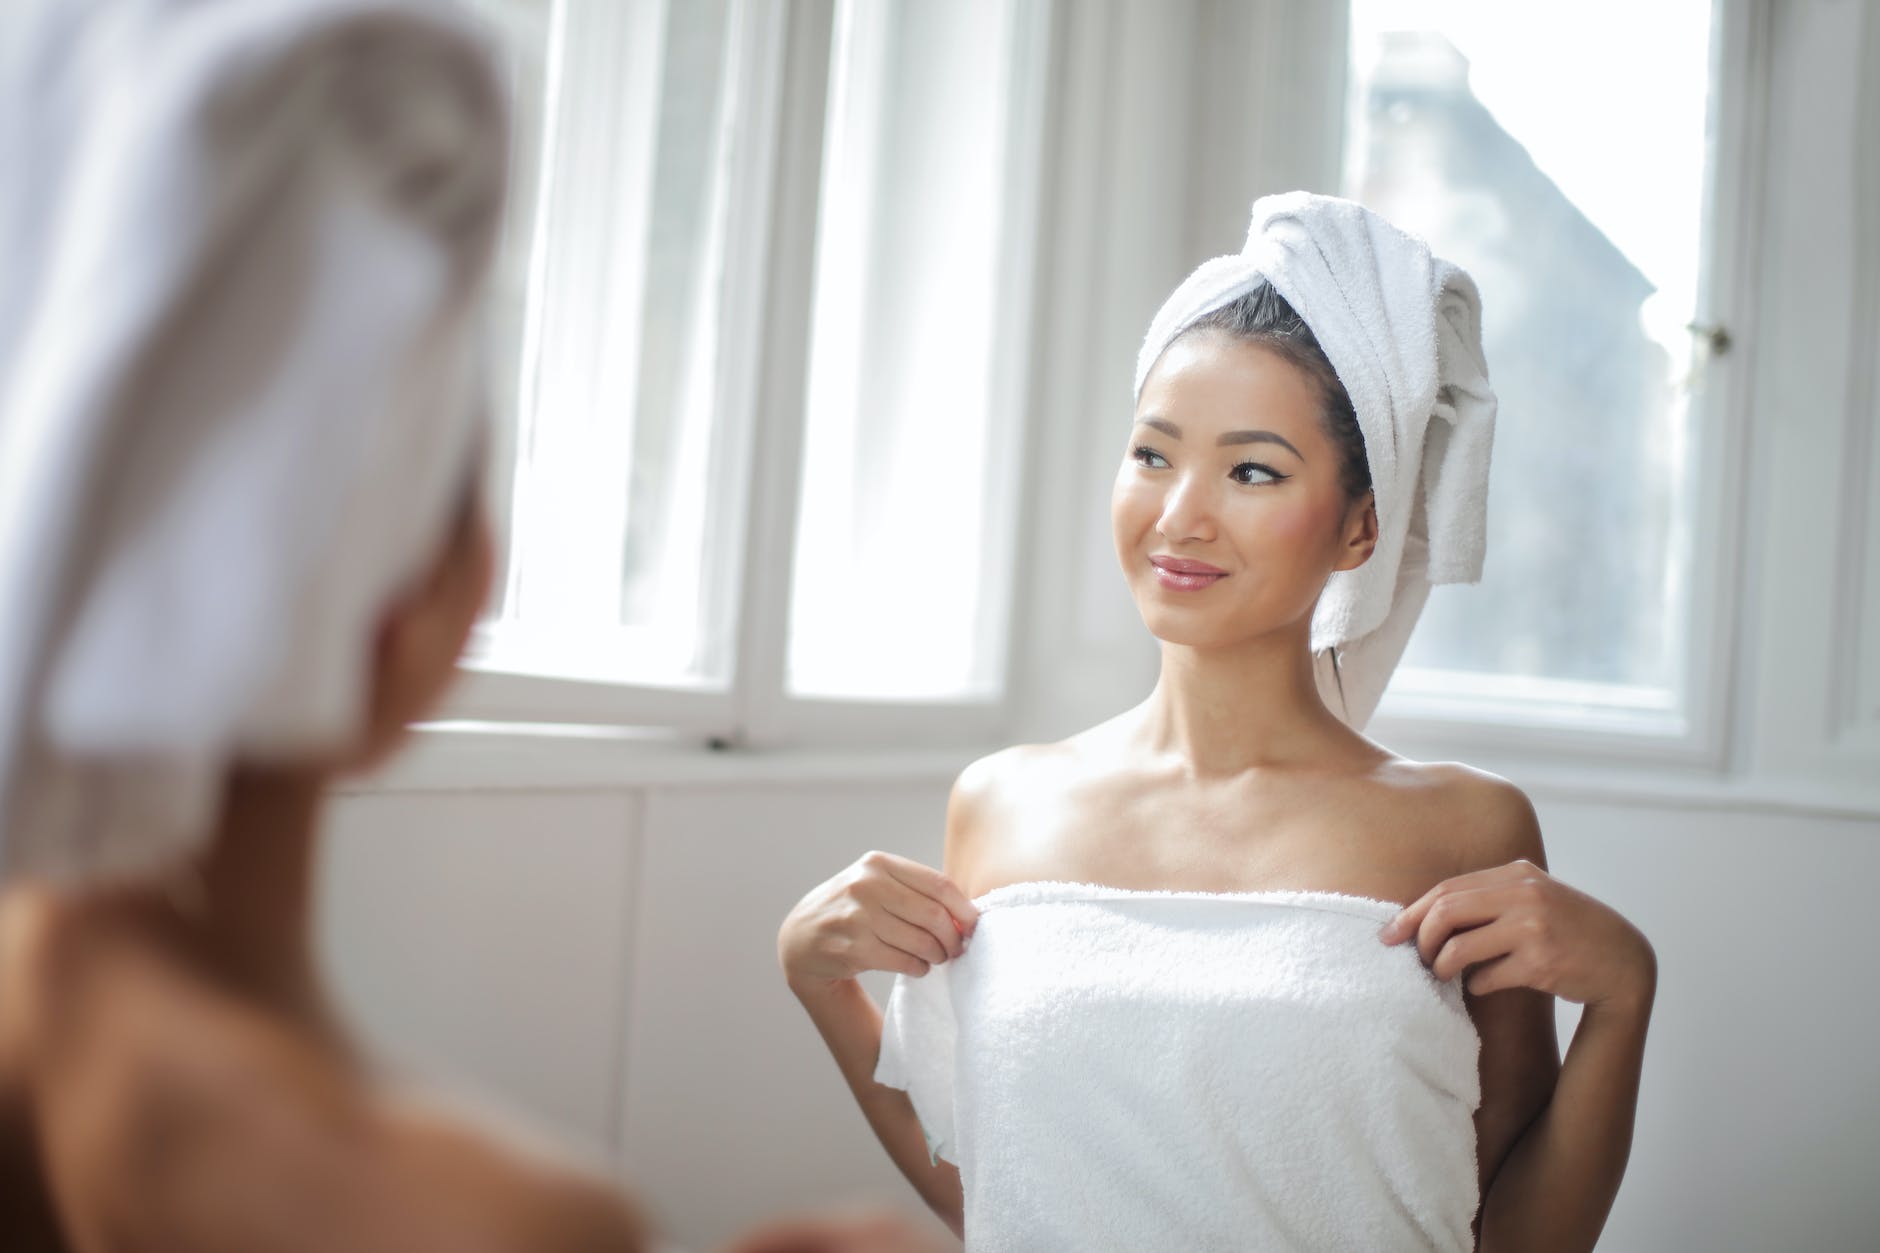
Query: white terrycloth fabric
point(1403, 330)
point(1131, 1070)
point(240, 251)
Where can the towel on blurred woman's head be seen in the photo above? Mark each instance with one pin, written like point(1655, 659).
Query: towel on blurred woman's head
point(241, 250)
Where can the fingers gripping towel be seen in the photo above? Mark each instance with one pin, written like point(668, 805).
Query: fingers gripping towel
point(1115, 1069)
point(1403, 330)
point(242, 247)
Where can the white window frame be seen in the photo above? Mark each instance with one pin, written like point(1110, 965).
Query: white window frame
point(771, 236)
point(1812, 616)
point(1443, 711)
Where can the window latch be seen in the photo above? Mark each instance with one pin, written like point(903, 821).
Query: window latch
point(1716, 338)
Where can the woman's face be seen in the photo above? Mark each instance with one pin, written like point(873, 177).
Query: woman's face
point(1229, 511)
point(424, 632)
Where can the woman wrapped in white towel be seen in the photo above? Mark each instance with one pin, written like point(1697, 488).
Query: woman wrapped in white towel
point(1222, 972)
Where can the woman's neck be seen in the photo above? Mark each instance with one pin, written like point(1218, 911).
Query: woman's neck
point(252, 916)
point(1229, 710)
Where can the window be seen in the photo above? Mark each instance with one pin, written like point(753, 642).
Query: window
point(623, 513)
point(905, 501)
point(649, 273)
point(1494, 137)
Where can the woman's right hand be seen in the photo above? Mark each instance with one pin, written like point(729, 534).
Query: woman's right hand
point(881, 913)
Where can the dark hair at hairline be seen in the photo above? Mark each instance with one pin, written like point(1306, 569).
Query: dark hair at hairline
point(1262, 316)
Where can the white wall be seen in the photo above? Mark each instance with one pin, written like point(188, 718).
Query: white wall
point(495, 930)
point(590, 933)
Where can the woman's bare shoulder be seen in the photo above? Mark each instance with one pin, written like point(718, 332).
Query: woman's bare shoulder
point(982, 800)
point(993, 794)
point(1485, 819)
point(1020, 770)
point(995, 778)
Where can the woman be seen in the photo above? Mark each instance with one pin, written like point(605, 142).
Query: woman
point(241, 547)
point(1193, 978)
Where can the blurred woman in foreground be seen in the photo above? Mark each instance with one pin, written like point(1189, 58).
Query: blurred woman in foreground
point(242, 544)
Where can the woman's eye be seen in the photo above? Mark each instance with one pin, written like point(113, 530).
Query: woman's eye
point(1243, 471)
point(1145, 453)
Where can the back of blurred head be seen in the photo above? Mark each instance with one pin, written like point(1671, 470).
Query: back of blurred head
point(241, 254)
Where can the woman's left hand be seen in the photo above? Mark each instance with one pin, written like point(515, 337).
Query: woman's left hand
point(1522, 928)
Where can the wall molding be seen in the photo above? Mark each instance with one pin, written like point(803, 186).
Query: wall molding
point(1855, 695)
point(488, 759)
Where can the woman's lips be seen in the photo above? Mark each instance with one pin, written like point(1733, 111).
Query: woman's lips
point(1183, 575)
point(1185, 582)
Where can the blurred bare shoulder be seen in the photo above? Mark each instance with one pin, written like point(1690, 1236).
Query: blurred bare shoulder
point(173, 1114)
point(266, 1137)
point(516, 1193)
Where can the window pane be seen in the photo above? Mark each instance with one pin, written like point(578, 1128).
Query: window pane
point(1564, 166)
point(902, 533)
point(626, 491)
point(670, 467)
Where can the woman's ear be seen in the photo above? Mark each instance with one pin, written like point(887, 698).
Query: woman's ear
point(423, 631)
point(1359, 539)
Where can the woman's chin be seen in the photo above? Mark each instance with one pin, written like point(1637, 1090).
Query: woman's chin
point(1193, 630)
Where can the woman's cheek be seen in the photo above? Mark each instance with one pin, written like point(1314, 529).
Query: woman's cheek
point(1292, 526)
point(1133, 509)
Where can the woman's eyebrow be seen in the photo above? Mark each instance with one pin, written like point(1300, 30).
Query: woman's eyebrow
point(1232, 437)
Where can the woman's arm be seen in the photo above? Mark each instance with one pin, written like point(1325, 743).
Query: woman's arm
point(885, 913)
point(1557, 1186)
point(1554, 1138)
point(850, 1024)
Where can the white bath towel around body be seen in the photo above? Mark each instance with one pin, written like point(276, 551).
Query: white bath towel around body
point(1121, 1069)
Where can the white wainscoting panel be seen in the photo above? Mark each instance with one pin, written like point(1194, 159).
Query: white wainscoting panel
point(734, 1108)
point(483, 938)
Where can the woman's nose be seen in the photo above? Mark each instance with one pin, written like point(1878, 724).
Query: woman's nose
point(1187, 511)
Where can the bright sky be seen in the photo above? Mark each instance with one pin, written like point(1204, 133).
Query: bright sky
point(1608, 97)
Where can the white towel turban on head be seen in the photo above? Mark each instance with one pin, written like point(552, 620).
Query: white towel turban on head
point(241, 246)
point(1403, 330)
